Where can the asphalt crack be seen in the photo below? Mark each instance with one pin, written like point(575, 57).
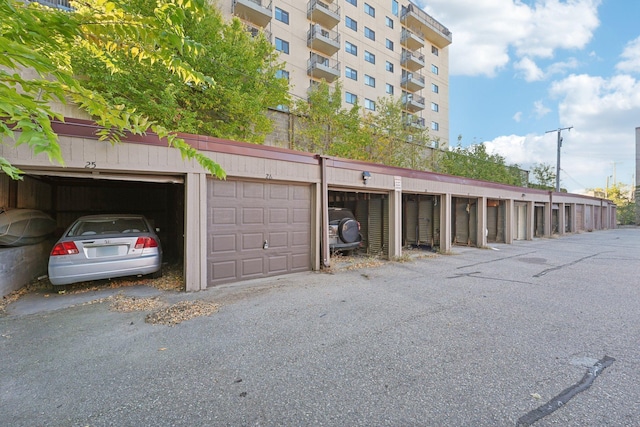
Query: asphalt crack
point(495, 260)
point(566, 395)
point(476, 275)
point(559, 267)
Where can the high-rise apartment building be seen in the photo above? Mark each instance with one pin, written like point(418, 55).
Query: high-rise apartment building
point(376, 48)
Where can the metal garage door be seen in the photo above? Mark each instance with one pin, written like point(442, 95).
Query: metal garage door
point(580, 217)
point(521, 221)
point(495, 221)
point(257, 229)
point(419, 220)
point(465, 221)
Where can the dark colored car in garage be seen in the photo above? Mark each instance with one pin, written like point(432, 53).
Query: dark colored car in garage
point(344, 230)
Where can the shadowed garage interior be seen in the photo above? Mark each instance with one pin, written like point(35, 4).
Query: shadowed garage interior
point(65, 198)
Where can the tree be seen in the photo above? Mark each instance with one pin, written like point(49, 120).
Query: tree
point(36, 68)
point(623, 196)
point(245, 69)
point(544, 175)
point(381, 136)
point(475, 162)
point(322, 120)
point(394, 142)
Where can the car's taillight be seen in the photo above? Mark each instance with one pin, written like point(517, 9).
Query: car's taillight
point(64, 248)
point(146, 242)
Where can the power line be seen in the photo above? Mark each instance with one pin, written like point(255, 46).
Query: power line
point(574, 180)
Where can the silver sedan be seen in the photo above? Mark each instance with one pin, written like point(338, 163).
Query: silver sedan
point(104, 247)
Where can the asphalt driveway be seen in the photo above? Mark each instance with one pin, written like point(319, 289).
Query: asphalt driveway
point(482, 337)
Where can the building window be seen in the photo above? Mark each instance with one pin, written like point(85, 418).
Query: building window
point(435, 107)
point(353, 2)
point(434, 69)
point(389, 67)
point(350, 73)
point(369, 57)
point(369, 10)
point(282, 46)
point(435, 126)
point(369, 81)
point(369, 33)
point(434, 88)
point(394, 7)
point(389, 22)
point(350, 23)
point(282, 16)
point(351, 48)
point(389, 89)
point(350, 98)
point(369, 105)
point(282, 74)
point(434, 50)
point(389, 44)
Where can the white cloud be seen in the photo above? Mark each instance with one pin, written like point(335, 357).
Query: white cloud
point(631, 57)
point(485, 31)
point(562, 66)
point(597, 103)
point(523, 150)
point(540, 110)
point(531, 71)
point(604, 113)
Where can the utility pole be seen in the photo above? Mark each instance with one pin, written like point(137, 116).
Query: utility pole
point(559, 130)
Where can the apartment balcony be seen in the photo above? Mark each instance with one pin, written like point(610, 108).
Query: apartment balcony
point(258, 12)
point(413, 103)
point(320, 67)
point(412, 82)
point(326, 14)
point(325, 41)
point(57, 4)
point(414, 122)
point(411, 40)
point(256, 31)
point(412, 61)
point(424, 23)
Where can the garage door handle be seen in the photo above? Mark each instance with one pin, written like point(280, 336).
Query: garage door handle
point(265, 245)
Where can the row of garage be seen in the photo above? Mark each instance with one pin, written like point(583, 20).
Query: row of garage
point(269, 216)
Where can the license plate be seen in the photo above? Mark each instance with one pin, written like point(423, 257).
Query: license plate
point(107, 251)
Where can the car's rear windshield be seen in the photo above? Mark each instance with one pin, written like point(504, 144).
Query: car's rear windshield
point(108, 226)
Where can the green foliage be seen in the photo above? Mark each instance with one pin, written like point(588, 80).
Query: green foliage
point(37, 68)
point(321, 119)
point(623, 196)
point(380, 137)
point(244, 68)
point(475, 162)
point(544, 176)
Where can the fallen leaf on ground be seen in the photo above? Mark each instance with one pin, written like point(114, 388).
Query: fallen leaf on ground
point(181, 311)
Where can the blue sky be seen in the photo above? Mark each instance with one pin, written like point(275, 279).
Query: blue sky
point(521, 68)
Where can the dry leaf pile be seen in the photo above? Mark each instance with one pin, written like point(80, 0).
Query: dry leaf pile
point(126, 304)
point(181, 311)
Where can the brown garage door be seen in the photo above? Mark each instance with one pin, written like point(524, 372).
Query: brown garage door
point(257, 229)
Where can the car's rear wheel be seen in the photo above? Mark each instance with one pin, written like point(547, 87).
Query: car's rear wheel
point(348, 230)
